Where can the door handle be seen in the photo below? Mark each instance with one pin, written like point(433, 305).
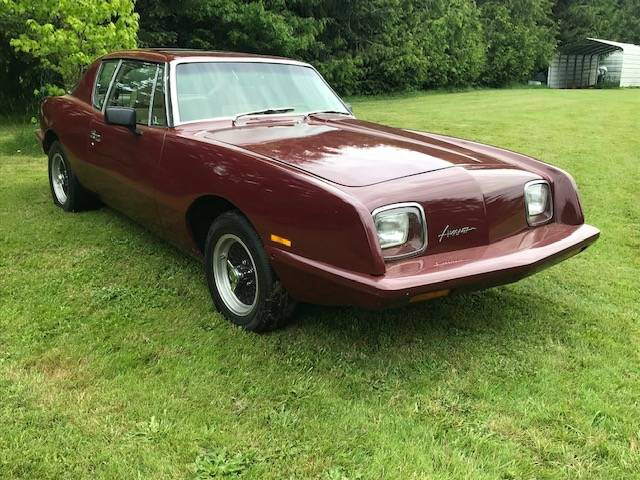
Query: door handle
point(95, 136)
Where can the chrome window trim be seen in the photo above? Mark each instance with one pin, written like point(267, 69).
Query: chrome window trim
point(95, 84)
point(526, 205)
point(165, 75)
point(113, 79)
point(153, 95)
point(97, 77)
point(167, 100)
point(423, 217)
point(175, 113)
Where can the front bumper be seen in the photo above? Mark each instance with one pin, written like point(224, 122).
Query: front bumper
point(415, 279)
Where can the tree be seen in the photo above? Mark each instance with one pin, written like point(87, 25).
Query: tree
point(360, 46)
point(264, 26)
point(19, 75)
point(580, 19)
point(520, 37)
point(627, 22)
point(64, 36)
point(608, 19)
point(452, 43)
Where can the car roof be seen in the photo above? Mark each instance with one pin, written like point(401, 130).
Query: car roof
point(161, 54)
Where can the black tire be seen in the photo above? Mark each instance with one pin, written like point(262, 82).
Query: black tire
point(272, 306)
point(74, 197)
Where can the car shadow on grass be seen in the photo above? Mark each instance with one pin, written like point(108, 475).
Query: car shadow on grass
point(493, 335)
point(492, 309)
point(504, 318)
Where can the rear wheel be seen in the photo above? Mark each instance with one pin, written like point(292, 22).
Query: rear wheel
point(242, 284)
point(66, 191)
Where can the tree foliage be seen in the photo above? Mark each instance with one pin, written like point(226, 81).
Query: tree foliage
point(269, 26)
point(20, 74)
point(64, 36)
point(360, 46)
point(520, 38)
point(609, 19)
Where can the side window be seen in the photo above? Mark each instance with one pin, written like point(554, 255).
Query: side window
point(158, 112)
point(133, 87)
point(102, 82)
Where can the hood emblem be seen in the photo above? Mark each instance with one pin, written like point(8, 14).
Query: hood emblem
point(449, 232)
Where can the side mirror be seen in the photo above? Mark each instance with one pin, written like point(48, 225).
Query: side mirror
point(123, 116)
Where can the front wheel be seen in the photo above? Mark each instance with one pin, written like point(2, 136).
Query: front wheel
point(242, 284)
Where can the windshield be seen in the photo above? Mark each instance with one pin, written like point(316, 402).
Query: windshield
point(225, 89)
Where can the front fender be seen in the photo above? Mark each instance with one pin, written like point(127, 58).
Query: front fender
point(322, 222)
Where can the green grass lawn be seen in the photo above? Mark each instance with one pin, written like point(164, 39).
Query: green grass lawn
point(114, 363)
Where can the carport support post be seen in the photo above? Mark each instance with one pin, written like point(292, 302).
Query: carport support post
point(581, 70)
point(589, 78)
point(566, 77)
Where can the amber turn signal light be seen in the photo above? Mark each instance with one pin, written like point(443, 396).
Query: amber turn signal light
point(284, 241)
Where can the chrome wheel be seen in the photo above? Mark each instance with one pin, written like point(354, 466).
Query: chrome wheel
point(235, 275)
point(59, 178)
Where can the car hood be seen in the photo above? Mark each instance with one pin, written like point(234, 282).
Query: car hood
point(351, 152)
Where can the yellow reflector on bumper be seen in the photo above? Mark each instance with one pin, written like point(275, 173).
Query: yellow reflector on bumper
point(429, 296)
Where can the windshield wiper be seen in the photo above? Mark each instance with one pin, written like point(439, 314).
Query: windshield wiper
point(266, 111)
point(306, 117)
point(328, 111)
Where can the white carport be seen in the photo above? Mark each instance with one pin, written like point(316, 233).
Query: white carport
point(576, 66)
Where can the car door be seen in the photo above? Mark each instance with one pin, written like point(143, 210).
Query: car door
point(127, 159)
point(79, 121)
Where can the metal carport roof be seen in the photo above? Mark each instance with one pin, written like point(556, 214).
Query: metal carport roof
point(591, 46)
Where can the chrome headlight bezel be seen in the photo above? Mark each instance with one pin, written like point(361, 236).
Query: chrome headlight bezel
point(535, 219)
point(398, 208)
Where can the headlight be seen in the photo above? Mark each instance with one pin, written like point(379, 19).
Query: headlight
point(538, 201)
point(401, 229)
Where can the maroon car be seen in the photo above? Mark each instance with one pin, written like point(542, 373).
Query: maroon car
point(255, 165)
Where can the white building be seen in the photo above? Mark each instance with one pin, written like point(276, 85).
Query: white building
point(579, 65)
